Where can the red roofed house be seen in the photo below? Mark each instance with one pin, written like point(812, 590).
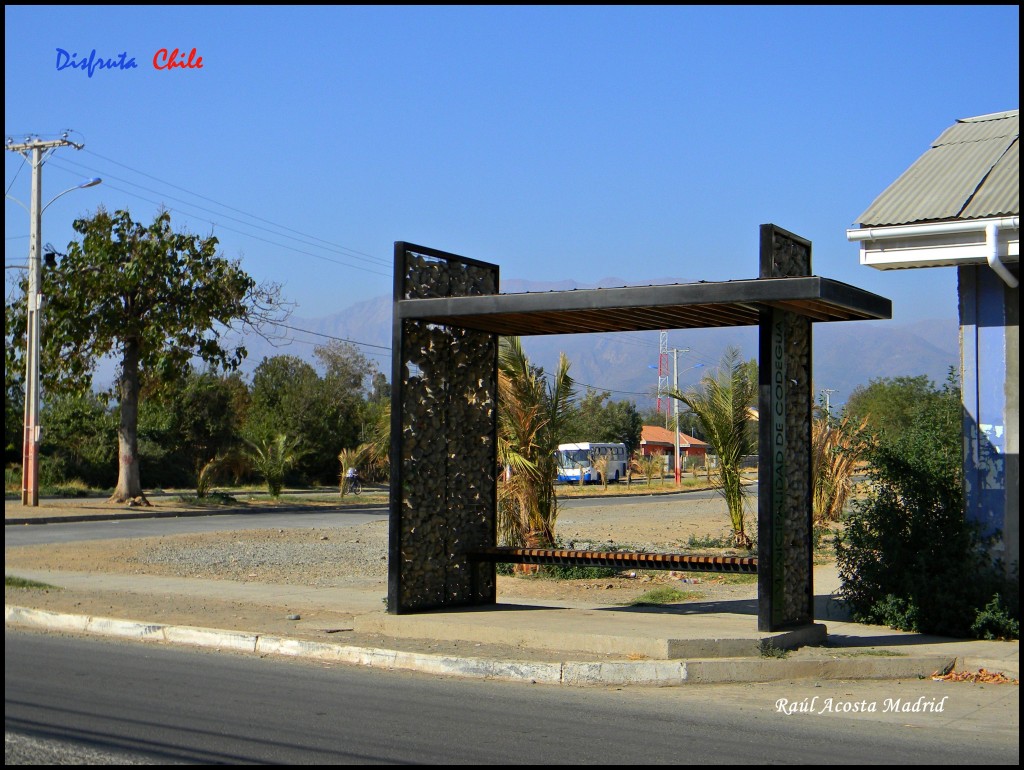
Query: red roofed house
point(659, 441)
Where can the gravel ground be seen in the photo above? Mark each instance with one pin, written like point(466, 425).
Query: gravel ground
point(325, 557)
point(357, 557)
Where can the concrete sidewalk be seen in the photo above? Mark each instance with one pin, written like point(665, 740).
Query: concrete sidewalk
point(582, 644)
point(556, 642)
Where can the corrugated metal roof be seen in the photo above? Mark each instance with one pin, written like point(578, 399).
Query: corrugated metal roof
point(1000, 194)
point(971, 171)
point(654, 434)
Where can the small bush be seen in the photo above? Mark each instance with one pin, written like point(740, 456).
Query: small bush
point(908, 558)
point(706, 541)
point(822, 538)
point(769, 650)
point(996, 621)
point(575, 572)
point(212, 498)
point(13, 581)
point(12, 479)
point(663, 595)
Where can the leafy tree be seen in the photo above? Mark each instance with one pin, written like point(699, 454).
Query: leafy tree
point(907, 557)
point(595, 418)
point(78, 440)
point(651, 416)
point(346, 368)
point(283, 398)
point(184, 426)
point(14, 390)
point(889, 404)
point(288, 396)
point(153, 297)
point(381, 388)
point(722, 403)
point(531, 417)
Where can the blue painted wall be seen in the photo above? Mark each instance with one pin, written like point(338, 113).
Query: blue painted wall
point(990, 377)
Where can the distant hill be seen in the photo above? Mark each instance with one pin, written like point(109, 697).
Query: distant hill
point(845, 354)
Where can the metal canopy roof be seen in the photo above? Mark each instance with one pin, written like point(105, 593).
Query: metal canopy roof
point(636, 308)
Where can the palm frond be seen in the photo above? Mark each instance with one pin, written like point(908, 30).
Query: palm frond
point(722, 404)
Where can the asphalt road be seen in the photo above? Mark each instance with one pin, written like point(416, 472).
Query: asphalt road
point(35, 534)
point(69, 697)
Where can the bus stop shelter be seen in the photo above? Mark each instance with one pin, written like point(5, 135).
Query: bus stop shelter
point(448, 316)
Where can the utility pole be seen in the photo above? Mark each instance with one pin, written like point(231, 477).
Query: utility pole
point(36, 151)
point(675, 410)
point(828, 406)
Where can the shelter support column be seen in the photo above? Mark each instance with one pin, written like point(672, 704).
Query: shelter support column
point(784, 523)
point(443, 440)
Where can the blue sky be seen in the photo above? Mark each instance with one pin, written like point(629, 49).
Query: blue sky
point(562, 143)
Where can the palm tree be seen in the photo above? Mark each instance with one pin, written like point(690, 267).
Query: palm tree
point(273, 459)
point(353, 458)
point(650, 465)
point(722, 404)
point(836, 448)
point(531, 414)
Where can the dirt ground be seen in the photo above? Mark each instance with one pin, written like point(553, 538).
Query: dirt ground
point(357, 557)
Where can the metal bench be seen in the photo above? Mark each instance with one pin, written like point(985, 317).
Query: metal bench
point(623, 559)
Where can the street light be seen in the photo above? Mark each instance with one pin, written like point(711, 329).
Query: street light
point(30, 450)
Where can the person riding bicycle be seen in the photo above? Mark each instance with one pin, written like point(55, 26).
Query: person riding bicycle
point(352, 478)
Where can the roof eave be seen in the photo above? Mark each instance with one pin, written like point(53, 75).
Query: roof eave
point(936, 244)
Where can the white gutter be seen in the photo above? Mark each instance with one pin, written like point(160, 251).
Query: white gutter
point(990, 227)
point(938, 228)
point(992, 242)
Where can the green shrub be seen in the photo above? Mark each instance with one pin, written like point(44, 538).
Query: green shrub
point(907, 557)
point(996, 621)
point(663, 595)
point(12, 479)
point(706, 541)
point(576, 572)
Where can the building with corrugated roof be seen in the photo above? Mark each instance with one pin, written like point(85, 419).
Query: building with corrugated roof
point(655, 440)
point(958, 206)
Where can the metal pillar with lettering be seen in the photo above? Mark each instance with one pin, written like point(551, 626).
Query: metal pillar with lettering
point(784, 517)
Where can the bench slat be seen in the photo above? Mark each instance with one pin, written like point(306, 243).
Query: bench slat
point(623, 559)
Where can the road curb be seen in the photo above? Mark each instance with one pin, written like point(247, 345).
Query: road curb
point(157, 514)
point(662, 673)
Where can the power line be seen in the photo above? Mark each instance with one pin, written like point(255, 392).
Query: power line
point(646, 394)
point(240, 211)
point(24, 160)
point(222, 226)
point(246, 234)
point(328, 336)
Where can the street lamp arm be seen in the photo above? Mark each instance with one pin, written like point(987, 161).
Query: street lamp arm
point(88, 183)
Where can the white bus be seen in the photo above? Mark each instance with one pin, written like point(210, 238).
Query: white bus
point(576, 459)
